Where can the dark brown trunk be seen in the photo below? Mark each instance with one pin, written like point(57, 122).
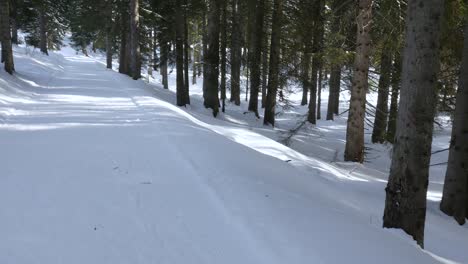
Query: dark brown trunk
point(405, 203)
point(357, 109)
point(255, 56)
point(381, 113)
point(135, 66)
point(5, 37)
point(396, 82)
point(455, 196)
point(210, 93)
point(223, 53)
point(179, 47)
point(334, 91)
point(43, 30)
point(273, 75)
point(236, 53)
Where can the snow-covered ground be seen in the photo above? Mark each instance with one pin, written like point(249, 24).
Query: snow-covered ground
point(98, 168)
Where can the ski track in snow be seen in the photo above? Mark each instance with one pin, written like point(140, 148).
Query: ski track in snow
point(98, 168)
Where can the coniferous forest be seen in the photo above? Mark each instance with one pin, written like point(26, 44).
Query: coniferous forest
point(234, 131)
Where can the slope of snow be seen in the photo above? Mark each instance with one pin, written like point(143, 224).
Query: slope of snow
point(98, 168)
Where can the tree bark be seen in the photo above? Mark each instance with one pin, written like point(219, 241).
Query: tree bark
point(405, 204)
point(14, 21)
point(43, 30)
point(164, 58)
point(273, 74)
point(210, 93)
point(5, 37)
point(223, 53)
point(334, 91)
point(124, 56)
point(319, 95)
point(455, 196)
point(236, 53)
point(135, 64)
point(396, 83)
point(381, 114)
point(179, 46)
point(109, 42)
point(317, 59)
point(186, 55)
point(357, 109)
point(255, 55)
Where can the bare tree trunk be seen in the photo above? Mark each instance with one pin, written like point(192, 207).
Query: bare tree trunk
point(109, 35)
point(5, 37)
point(210, 93)
point(273, 75)
point(43, 30)
point(405, 204)
point(135, 64)
point(124, 56)
point(455, 197)
point(196, 56)
point(317, 59)
point(305, 72)
point(319, 95)
point(357, 109)
point(164, 47)
point(255, 52)
point(179, 46)
point(396, 82)
point(236, 53)
point(223, 53)
point(14, 21)
point(186, 55)
point(265, 56)
point(334, 92)
point(381, 114)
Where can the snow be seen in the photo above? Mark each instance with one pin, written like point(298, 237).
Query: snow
point(98, 168)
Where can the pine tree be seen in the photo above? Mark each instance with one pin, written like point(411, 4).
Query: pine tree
point(405, 204)
point(5, 37)
point(135, 57)
point(273, 74)
point(236, 52)
point(211, 58)
point(455, 194)
point(355, 129)
point(256, 37)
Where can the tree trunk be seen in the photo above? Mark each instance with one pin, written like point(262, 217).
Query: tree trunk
point(255, 55)
point(223, 53)
point(455, 196)
point(273, 75)
point(210, 93)
point(381, 114)
point(124, 56)
point(164, 58)
point(357, 109)
point(43, 30)
point(109, 35)
point(319, 96)
point(405, 204)
point(179, 46)
point(14, 21)
point(186, 55)
point(196, 56)
point(265, 58)
point(334, 91)
point(305, 72)
point(317, 59)
point(236, 53)
point(5, 37)
point(135, 67)
point(396, 82)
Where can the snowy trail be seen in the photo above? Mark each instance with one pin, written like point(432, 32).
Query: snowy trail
point(95, 169)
